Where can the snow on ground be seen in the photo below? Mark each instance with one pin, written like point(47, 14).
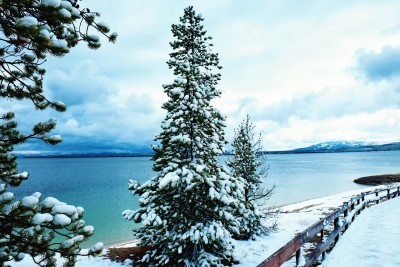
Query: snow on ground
point(293, 219)
point(371, 240)
point(82, 262)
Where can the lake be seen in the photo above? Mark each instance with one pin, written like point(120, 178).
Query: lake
point(100, 184)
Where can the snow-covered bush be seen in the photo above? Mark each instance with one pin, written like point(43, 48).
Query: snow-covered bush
point(247, 161)
point(29, 32)
point(187, 209)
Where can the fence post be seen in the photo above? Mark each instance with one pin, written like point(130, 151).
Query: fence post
point(336, 225)
point(322, 235)
point(322, 239)
point(352, 208)
point(363, 199)
point(388, 194)
point(298, 254)
point(398, 191)
point(376, 194)
point(358, 203)
point(345, 213)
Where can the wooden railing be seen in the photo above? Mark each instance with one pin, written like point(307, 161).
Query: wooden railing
point(326, 232)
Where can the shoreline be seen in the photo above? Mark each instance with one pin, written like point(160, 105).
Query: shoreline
point(325, 202)
point(291, 220)
point(122, 244)
point(332, 201)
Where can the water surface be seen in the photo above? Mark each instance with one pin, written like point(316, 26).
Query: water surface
point(100, 184)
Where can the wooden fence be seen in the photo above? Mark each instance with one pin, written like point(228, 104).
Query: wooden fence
point(326, 232)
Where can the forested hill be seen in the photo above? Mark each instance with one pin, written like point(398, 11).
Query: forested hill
point(335, 147)
point(326, 147)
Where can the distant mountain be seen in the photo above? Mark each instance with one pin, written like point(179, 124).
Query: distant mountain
point(343, 146)
point(326, 147)
point(336, 145)
point(83, 155)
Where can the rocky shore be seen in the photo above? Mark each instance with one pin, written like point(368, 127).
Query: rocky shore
point(378, 179)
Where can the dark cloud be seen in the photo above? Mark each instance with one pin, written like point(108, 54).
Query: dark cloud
point(379, 65)
point(100, 116)
point(79, 85)
point(74, 145)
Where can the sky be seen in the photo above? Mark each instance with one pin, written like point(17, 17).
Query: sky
point(305, 71)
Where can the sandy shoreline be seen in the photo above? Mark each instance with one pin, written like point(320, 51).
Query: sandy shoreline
point(123, 244)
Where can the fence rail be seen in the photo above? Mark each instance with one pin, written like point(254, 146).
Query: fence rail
point(329, 229)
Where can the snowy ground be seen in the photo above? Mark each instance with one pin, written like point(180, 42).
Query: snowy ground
point(371, 240)
point(297, 217)
point(293, 219)
point(82, 262)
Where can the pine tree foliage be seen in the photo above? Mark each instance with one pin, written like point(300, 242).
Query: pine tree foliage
point(31, 224)
point(30, 30)
point(187, 209)
point(247, 161)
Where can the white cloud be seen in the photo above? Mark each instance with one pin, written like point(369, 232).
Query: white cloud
point(377, 126)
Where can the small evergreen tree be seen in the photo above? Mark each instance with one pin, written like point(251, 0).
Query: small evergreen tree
point(30, 30)
point(247, 162)
point(187, 209)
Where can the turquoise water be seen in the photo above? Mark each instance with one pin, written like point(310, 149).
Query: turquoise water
point(100, 184)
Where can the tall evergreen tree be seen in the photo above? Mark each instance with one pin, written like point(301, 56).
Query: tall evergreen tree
point(30, 30)
point(247, 161)
point(187, 209)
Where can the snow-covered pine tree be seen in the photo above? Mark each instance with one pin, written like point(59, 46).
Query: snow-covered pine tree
point(187, 208)
point(247, 161)
point(30, 31)
point(33, 225)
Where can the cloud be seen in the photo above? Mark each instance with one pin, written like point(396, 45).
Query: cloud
point(79, 85)
point(375, 126)
point(378, 65)
point(358, 112)
point(285, 63)
point(132, 118)
point(323, 104)
point(100, 116)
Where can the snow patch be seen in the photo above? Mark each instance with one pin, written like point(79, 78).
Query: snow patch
point(97, 247)
point(29, 201)
point(50, 3)
point(27, 22)
point(169, 178)
point(61, 219)
point(59, 43)
point(6, 197)
point(40, 218)
point(50, 202)
point(65, 209)
point(65, 13)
